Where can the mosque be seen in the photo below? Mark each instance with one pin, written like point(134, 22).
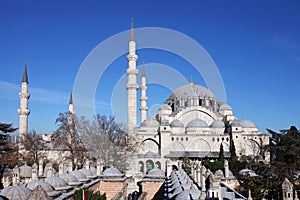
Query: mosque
point(191, 123)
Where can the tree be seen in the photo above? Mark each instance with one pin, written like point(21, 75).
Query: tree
point(90, 195)
point(218, 164)
point(66, 138)
point(107, 140)
point(32, 147)
point(285, 151)
point(5, 129)
point(7, 150)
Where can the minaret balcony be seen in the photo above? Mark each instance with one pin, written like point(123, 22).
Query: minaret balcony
point(133, 71)
point(133, 57)
point(23, 111)
point(132, 86)
point(24, 95)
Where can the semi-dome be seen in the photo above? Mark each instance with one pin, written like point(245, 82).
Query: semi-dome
point(191, 90)
point(196, 123)
point(16, 192)
point(25, 171)
point(217, 124)
point(112, 172)
point(225, 107)
point(176, 123)
point(57, 183)
point(247, 124)
point(165, 107)
point(46, 187)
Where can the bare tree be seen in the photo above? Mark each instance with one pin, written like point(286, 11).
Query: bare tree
point(66, 138)
point(107, 140)
point(32, 147)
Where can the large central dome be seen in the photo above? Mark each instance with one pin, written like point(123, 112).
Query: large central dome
point(191, 90)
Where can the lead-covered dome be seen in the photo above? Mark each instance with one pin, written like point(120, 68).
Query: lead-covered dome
point(176, 123)
point(165, 107)
point(49, 189)
point(247, 124)
point(191, 90)
point(112, 172)
point(217, 124)
point(196, 123)
point(225, 107)
point(16, 192)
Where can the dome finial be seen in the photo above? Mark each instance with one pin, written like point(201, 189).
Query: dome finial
point(191, 81)
point(132, 38)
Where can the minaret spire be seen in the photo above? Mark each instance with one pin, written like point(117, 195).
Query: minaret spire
point(143, 98)
point(132, 38)
point(23, 111)
point(132, 85)
point(25, 77)
point(71, 119)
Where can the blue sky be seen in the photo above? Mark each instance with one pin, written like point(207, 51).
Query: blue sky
point(255, 45)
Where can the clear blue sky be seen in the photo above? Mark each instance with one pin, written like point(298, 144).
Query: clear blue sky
point(255, 44)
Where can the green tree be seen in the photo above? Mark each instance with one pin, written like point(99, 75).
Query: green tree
point(90, 195)
point(218, 164)
point(5, 129)
point(285, 151)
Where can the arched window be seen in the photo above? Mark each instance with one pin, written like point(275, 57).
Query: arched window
point(149, 165)
point(157, 165)
point(141, 166)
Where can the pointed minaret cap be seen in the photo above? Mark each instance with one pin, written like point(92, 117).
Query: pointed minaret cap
point(143, 71)
point(71, 99)
point(25, 77)
point(132, 38)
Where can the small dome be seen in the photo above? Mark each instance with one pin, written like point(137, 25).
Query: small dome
point(57, 183)
point(247, 124)
point(155, 173)
point(176, 123)
point(16, 192)
point(26, 171)
point(196, 123)
point(112, 172)
point(165, 107)
point(225, 107)
point(86, 172)
point(150, 122)
point(219, 173)
point(244, 172)
point(217, 124)
point(70, 179)
point(79, 175)
point(46, 187)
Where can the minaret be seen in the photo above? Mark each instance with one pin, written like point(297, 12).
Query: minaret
point(23, 111)
point(143, 98)
point(71, 119)
point(132, 85)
